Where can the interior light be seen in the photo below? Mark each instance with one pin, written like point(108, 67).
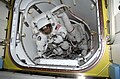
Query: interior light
point(81, 77)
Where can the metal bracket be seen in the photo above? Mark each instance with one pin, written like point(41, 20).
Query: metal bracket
point(4, 42)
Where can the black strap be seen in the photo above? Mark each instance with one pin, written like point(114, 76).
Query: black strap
point(37, 9)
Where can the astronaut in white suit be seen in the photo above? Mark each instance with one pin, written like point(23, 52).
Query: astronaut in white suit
point(48, 29)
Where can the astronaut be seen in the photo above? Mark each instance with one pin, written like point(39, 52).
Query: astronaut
point(48, 29)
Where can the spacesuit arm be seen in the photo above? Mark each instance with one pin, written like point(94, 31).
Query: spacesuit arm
point(41, 42)
point(66, 22)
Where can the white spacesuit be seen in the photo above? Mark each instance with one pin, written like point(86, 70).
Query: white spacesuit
point(47, 29)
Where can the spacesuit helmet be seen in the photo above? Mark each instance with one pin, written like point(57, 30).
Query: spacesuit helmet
point(44, 26)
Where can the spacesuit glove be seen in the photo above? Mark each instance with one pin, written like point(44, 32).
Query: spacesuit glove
point(57, 39)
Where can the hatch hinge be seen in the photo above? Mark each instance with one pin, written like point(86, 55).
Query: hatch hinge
point(4, 42)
